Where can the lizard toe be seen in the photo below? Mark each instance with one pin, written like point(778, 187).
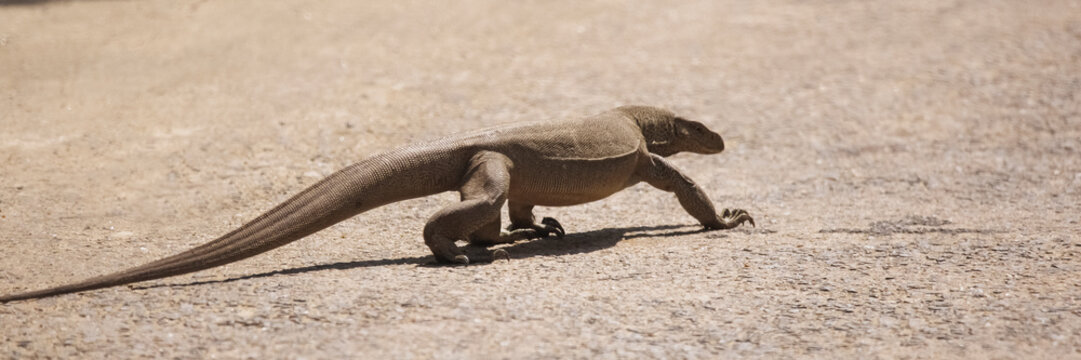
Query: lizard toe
point(553, 225)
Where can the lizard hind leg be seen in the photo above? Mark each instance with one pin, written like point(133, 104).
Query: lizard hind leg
point(483, 193)
point(524, 224)
point(489, 234)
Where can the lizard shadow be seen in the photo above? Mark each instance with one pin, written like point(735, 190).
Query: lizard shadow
point(575, 243)
point(584, 242)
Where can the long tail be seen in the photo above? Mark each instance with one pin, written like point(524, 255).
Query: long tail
point(360, 187)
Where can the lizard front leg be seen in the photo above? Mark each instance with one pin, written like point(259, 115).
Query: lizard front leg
point(662, 175)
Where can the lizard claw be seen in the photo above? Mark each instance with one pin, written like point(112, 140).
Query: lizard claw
point(462, 259)
point(547, 226)
point(500, 253)
point(551, 225)
point(735, 217)
point(731, 218)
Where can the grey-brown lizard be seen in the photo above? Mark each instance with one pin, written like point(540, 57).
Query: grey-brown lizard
point(523, 165)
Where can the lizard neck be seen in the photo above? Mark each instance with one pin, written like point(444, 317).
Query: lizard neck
point(658, 130)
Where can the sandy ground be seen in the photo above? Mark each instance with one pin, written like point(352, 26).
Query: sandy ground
point(913, 166)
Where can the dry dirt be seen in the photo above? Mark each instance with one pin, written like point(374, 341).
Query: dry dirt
point(913, 167)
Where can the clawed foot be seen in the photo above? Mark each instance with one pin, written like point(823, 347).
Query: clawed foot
point(547, 226)
point(551, 226)
point(731, 218)
point(453, 255)
point(737, 216)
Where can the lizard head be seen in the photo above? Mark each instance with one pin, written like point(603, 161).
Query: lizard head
point(668, 134)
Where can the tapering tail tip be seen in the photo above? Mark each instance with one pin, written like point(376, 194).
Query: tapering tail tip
point(15, 297)
point(89, 284)
point(37, 294)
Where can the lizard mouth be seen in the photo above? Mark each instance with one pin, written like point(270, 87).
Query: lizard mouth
point(712, 147)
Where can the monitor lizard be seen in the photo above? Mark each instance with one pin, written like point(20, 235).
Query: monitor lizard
point(521, 164)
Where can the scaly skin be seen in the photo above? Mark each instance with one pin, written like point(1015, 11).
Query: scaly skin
point(551, 164)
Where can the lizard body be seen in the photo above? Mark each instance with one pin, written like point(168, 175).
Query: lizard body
point(524, 165)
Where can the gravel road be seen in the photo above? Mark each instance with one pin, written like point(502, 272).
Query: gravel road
point(914, 168)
